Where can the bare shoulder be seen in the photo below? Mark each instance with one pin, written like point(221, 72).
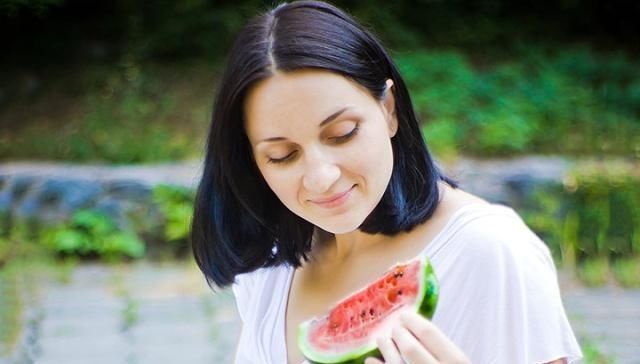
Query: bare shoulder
point(452, 199)
point(459, 197)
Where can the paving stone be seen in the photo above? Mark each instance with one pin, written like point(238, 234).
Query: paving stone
point(609, 318)
point(176, 318)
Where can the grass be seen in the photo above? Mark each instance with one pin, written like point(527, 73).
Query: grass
point(594, 272)
point(134, 112)
point(64, 269)
point(10, 307)
point(593, 354)
point(125, 113)
point(130, 311)
point(627, 272)
point(130, 314)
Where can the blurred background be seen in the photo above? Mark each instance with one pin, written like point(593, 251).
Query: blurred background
point(104, 108)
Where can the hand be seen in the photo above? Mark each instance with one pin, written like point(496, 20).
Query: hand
point(415, 340)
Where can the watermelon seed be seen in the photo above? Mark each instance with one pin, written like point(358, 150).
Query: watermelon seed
point(399, 291)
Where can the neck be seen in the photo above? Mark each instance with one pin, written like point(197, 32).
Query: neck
point(339, 248)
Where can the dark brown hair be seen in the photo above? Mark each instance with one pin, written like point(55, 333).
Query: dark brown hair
point(239, 224)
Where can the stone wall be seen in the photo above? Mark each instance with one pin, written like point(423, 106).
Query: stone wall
point(50, 193)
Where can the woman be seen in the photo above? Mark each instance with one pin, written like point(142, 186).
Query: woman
point(316, 180)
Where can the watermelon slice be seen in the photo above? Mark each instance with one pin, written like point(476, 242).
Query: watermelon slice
point(347, 333)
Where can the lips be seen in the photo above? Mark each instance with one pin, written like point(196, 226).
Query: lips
point(334, 200)
point(333, 197)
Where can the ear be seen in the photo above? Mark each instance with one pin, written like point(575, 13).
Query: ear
point(389, 108)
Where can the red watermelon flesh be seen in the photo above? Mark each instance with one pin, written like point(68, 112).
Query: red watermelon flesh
point(347, 333)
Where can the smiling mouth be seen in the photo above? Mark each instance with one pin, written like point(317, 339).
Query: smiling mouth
point(335, 199)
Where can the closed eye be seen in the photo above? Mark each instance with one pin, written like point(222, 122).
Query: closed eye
point(337, 140)
point(344, 138)
point(282, 160)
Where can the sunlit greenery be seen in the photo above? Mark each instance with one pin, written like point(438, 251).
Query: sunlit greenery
point(128, 113)
point(176, 205)
point(94, 234)
point(10, 307)
point(593, 354)
point(592, 222)
point(483, 79)
point(571, 101)
point(542, 101)
point(91, 232)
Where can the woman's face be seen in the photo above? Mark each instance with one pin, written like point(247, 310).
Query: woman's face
point(322, 144)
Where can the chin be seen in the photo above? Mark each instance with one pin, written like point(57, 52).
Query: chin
point(340, 227)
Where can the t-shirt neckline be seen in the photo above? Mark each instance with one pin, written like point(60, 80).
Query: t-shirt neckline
point(428, 249)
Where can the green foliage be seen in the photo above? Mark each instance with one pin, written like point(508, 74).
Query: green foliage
point(177, 28)
point(176, 205)
point(591, 222)
point(442, 137)
point(570, 101)
point(594, 272)
point(10, 307)
point(593, 354)
point(5, 250)
point(527, 104)
point(627, 271)
point(40, 7)
point(120, 115)
point(130, 313)
point(92, 233)
point(131, 113)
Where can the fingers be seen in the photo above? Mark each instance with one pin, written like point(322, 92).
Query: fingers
point(412, 350)
point(402, 348)
point(389, 350)
point(417, 340)
point(431, 338)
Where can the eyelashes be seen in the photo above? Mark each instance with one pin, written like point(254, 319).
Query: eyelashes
point(335, 140)
point(344, 138)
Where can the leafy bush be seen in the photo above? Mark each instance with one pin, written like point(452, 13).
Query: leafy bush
point(11, 307)
point(541, 101)
point(91, 232)
point(592, 221)
point(594, 272)
point(162, 232)
point(131, 113)
point(176, 205)
point(627, 271)
point(571, 101)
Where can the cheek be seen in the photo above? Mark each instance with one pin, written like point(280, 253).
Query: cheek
point(374, 152)
point(282, 185)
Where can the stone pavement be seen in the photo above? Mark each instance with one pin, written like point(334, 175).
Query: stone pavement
point(137, 314)
point(164, 314)
point(608, 318)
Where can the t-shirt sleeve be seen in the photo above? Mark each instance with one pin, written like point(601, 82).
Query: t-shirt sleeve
point(500, 300)
point(242, 292)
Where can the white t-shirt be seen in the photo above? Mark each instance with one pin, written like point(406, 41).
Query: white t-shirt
point(499, 297)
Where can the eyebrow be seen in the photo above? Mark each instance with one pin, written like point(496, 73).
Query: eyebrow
point(324, 122)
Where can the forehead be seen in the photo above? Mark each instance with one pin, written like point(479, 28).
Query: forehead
point(299, 99)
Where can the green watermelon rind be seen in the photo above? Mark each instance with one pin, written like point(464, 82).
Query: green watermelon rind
point(429, 291)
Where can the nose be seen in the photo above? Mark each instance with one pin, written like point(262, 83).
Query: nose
point(320, 173)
